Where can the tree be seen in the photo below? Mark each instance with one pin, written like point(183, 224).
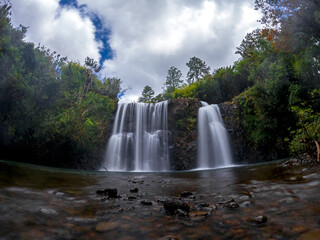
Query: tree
point(172, 82)
point(197, 69)
point(296, 21)
point(112, 86)
point(147, 94)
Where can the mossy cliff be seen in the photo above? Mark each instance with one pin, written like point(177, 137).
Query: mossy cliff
point(182, 123)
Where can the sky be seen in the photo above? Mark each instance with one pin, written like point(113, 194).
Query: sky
point(139, 40)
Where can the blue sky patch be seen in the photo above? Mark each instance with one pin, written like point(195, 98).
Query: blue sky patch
point(102, 34)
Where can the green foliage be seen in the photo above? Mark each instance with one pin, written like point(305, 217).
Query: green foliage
point(112, 86)
point(186, 91)
point(49, 106)
point(146, 95)
point(197, 69)
point(307, 130)
point(282, 64)
point(173, 80)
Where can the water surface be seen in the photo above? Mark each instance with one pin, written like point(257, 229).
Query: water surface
point(47, 203)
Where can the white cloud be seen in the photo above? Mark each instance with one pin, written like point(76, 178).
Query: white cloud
point(147, 37)
point(62, 30)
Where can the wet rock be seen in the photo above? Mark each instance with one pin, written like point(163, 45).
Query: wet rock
point(48, 211)
point(186, 194)
point(169, 237)
point(106, 226)
point(146, 202)
point(181, 213)
point(172, 205)
point(200, 206)
point(258, 220)
point(134, 190)
point(138, 181)
point(110, 192)
point(132, 198)
point(245, 204)
point(229, 204)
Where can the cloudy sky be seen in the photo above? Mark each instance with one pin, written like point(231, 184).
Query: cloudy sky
point(139, 40)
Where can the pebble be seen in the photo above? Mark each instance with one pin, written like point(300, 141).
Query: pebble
point(258, 220)
point(134, 190)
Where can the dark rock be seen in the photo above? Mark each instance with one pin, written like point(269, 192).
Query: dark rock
point(181, 213)
point(146, 202)
point(186, 194)
point(172, 205)
point(110, 192)
point(134, 190)
point(230, 204)
point(203, 205)
point(258, 220)
point(132, 198)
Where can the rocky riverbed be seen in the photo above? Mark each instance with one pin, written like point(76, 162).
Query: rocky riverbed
point(277, 200)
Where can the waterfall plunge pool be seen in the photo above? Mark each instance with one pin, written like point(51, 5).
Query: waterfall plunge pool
point(46, 203)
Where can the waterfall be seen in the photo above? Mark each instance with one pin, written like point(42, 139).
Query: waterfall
point(139, 140)
point(213, 143)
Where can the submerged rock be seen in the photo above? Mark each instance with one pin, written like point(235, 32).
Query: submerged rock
point(134, 190)
point(258, 220)
point(169, 237)
point(106, 226)
point(172, 205)
point(186, 194)
point(230, 204)
point(146, 202)
point(110, 192)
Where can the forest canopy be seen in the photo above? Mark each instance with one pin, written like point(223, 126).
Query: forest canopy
point(51, 109)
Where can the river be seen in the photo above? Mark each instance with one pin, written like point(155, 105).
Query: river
point(263, 201)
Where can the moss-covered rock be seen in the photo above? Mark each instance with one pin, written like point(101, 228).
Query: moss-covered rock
point(182, 123)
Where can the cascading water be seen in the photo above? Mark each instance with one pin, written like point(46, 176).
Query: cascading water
point(213, 143)
point(139, 140)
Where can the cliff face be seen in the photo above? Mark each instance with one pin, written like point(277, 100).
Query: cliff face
point(182, 123)
point(243, 150)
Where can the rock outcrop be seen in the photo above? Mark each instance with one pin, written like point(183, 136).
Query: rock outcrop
point(182, 123)
point(243, 151)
